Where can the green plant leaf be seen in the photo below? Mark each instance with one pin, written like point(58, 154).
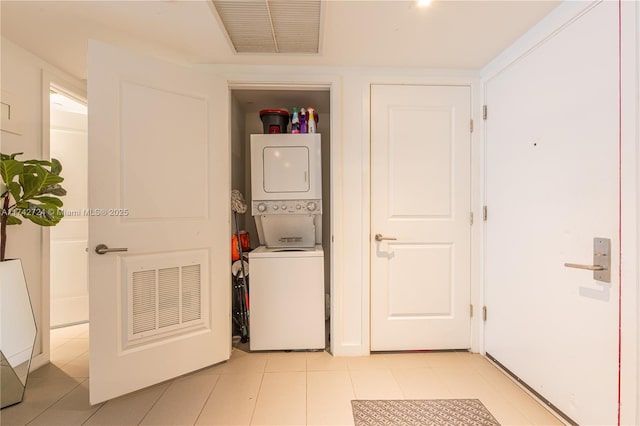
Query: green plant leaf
point(56, 167)
point(31, 169)
point(10, 157)
point(38, 162)
point(15, 189)
point(42, 214)
point(9, 169)
point(13, 220)
point(55, 190)
point(30, 184)
point(49, 200)
point(50, 179)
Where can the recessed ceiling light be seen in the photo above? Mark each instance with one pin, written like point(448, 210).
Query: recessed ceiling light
point(424, 3)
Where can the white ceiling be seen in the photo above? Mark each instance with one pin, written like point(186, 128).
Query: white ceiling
point(448, 34)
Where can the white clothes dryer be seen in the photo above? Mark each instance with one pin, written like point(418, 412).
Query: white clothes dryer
point(286, 189)
point(286, 167)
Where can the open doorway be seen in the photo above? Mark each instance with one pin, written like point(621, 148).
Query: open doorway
point(247, 100)
point(69, 296)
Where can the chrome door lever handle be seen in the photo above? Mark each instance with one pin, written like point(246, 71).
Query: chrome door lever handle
point(601, 266)
point(103, 248)
point(587, 267)
point(379, 238)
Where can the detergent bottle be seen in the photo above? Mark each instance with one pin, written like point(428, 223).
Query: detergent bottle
point(311, 124)
point(295, 121)
point(303, 121)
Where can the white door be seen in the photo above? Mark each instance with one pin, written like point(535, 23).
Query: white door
point(420, 206)
point(552, 186)
point(159, 187)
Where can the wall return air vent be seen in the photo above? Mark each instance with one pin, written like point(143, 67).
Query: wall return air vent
point(271, 26)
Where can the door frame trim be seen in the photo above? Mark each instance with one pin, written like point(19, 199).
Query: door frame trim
point(285, 80)
point(77, 90)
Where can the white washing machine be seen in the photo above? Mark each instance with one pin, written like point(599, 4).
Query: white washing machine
point(286, 294)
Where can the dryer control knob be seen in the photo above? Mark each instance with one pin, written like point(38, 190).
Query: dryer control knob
point(284, 207)
point(262, 208)
point(298, 206)
point(275, 207)
point(311, 206)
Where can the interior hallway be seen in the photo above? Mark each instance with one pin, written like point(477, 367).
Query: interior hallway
point(276, 388)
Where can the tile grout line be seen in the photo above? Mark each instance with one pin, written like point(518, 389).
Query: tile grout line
point(207, 400)
point(95, 412)
point(60, 363)
point(353, 388)
point(306, 388)
point(57, 400)
point(253, 412)
point(156, 401)
point(54, 403)
point(395, 379)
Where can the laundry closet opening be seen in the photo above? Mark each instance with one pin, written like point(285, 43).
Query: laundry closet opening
point(283, 326)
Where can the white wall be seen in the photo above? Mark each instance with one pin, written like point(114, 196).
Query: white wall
point(253, 125)
point(238, 176)
point(237, 146)
point(22, 76)
point(350, 180)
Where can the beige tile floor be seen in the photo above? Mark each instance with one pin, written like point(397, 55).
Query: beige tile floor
point(277, 388)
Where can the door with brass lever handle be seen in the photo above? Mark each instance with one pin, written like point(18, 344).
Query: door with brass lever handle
point(103, 248)
point(380, 237)
point(601, 266)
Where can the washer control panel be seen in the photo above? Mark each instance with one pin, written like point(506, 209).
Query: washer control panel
point(286, 207)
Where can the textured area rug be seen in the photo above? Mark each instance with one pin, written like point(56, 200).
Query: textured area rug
point(436, 412)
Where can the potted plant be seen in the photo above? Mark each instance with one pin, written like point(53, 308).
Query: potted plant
point(30, 190)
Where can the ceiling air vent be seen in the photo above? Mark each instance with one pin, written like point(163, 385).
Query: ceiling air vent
point(271, 26)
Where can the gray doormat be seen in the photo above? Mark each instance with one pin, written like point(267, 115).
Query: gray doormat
point(435, 412)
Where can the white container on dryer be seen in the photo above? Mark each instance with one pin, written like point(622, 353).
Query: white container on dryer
point(286, 167)
point(286, 299)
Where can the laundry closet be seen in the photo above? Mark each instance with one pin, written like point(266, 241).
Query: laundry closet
point(288, 276)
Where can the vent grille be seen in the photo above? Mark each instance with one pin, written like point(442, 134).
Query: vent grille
point(168, 293)
point(272, 26)
point(191, 309)
point(144, 301)
point(164, 299)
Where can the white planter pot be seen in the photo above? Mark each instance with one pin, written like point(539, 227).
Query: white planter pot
point(18, 331)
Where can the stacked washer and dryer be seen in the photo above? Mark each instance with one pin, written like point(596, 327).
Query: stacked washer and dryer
point(287, 269)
